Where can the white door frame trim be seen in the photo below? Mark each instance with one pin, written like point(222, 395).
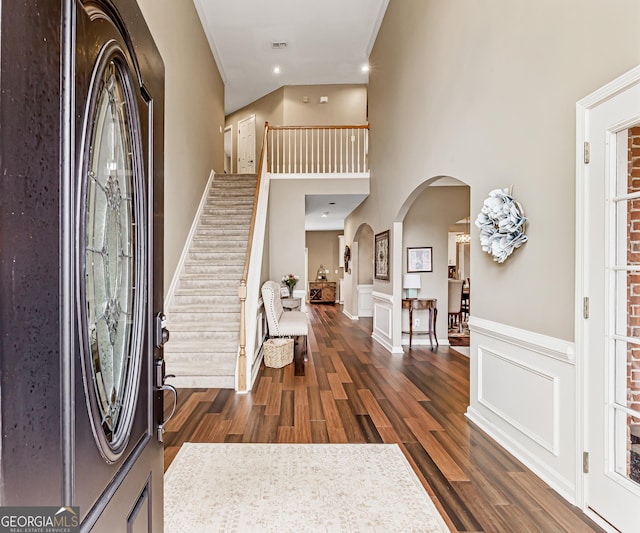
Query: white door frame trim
point(583, 108)
point(229, 129)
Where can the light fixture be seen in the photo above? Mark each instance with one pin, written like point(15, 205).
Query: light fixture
point(325, 214)
point(276, 69)
point(411, 284)
point(465, 238)
point(364, 68)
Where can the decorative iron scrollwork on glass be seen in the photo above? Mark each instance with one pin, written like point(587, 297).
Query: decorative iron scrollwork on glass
point(112, 254)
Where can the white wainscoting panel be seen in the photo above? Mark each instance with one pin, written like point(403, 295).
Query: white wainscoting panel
point(382, 319)
point(365, 300)
point(523, 394)
point(506, 387)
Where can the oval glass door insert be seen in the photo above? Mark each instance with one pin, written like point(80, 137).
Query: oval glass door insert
point(113, 256)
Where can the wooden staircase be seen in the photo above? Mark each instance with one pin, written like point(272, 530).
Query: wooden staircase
point(204, 313)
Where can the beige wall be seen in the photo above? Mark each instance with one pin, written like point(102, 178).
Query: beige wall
point(365, 256)
point(269, 109)
point(347, 105)
point(486, 92)
point(427, 224)
point(194, 114)
point(322, 247)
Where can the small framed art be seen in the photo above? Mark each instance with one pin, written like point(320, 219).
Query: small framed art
point(420, 259)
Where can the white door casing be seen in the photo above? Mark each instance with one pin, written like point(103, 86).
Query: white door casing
point(604, 325)
point(228, 150)
point(247, 145)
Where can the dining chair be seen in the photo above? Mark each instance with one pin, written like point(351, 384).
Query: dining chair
point(455, 303)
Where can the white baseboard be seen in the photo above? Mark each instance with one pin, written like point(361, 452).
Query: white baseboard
point(385, 343)
point(349, 315)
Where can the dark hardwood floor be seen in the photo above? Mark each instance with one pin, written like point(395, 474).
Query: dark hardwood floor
point(352, 390)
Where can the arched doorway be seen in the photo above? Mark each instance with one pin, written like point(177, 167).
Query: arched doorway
point(362, 272)
point(424, 223)
point(358, 275)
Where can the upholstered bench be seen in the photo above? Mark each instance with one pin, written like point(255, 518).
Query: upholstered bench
point(281, 324)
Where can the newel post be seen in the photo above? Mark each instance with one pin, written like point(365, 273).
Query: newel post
point(242, 356)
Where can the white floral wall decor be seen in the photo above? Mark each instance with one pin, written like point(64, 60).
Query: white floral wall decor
point(502, 225)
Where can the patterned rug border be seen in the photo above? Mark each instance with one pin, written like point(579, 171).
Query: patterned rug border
point(296, 487)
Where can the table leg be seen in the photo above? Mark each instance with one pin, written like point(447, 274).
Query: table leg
point(435, 318)
point(410, 324)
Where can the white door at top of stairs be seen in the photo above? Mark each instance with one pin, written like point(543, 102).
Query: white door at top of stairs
point(247, 145)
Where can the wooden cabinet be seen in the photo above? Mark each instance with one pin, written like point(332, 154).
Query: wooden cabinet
point(322, 291)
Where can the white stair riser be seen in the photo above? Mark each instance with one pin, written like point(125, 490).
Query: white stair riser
point(176, 324)
point(223, 272)
point(208, 244)
point(230, 291)
point(203, 337)
point(238, 207)
point(239, 231)
point(222, 286)
point(228, 302)
point(233, 258)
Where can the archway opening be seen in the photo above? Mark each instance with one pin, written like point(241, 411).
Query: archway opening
point(436, 260)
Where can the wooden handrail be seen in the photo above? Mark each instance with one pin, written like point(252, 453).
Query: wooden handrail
point(242, 290)
point(245, 272)
point(341, 127)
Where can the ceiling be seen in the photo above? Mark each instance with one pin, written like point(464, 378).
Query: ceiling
point(324, 212)
point(328, 41)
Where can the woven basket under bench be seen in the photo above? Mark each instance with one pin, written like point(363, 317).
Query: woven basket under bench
point(278, 352)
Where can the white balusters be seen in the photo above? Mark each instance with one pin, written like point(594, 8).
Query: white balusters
point(318, 149)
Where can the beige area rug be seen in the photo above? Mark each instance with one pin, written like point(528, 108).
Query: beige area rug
point(296, 488)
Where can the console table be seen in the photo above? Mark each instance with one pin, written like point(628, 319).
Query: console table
point(322, 291)
point(422, 303)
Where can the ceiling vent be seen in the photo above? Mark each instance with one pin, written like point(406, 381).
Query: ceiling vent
point(278, 45)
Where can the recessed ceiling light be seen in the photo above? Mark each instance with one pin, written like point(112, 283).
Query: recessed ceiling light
point(276, 70)
point(325, 214)
point(364, 68)
point(332, 203)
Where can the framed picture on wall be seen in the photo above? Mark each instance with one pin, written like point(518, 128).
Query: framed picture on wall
point(419, 259)
point(381, 263)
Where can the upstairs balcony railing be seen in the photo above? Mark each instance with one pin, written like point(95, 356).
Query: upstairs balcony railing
point(318, 149)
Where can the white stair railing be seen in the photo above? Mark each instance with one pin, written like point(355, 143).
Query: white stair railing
point(318, 149)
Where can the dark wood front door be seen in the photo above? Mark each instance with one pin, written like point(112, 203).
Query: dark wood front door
point(81, 197)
